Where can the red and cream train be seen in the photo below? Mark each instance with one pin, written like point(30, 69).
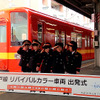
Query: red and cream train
point(44, 89)
point(18, 24)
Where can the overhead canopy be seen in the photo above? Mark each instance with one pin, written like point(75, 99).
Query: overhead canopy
point(84, 7)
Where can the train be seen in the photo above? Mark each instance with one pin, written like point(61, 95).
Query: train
point(21, 23)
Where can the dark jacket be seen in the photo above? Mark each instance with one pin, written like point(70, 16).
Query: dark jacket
point(34, 60)
point(58, 62)
point(25, 56)
point(46, 62)
point(73, 62)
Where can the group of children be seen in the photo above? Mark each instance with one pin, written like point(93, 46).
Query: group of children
point(49, 59)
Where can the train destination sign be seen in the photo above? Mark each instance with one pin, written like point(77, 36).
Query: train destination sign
point(53, 84)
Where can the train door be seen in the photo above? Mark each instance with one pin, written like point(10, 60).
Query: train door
point(18, 32)
point(3, 45)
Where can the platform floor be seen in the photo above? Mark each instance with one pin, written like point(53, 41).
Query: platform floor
point(90, 69)
point(17, 96)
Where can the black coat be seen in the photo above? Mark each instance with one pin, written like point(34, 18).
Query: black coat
point(58, 62)
point(34, 60)
point(25, 56)
point(73, 62)
point(46, 62)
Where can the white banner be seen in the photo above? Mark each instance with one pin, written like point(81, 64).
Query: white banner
point(54, 84)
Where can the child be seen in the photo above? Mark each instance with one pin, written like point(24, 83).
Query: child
point(34, 62)
point(58, 61)
point(24, 51)
point(46, 59)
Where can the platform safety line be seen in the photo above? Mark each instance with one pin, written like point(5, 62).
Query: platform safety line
point(87, 65)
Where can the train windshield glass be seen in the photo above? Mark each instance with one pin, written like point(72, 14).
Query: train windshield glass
point(19, 28)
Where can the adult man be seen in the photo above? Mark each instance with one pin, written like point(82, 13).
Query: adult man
point(24, 51)
point(73, 59)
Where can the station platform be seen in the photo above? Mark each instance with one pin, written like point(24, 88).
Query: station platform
point(87, 69)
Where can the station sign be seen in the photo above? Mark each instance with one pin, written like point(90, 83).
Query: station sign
point(52, 84)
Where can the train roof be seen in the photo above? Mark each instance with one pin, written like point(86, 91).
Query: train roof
point(45, 15)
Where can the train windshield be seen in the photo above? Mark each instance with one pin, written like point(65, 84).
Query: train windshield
point(19, 28)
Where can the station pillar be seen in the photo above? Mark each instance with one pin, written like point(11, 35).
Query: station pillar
point(97, 34)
